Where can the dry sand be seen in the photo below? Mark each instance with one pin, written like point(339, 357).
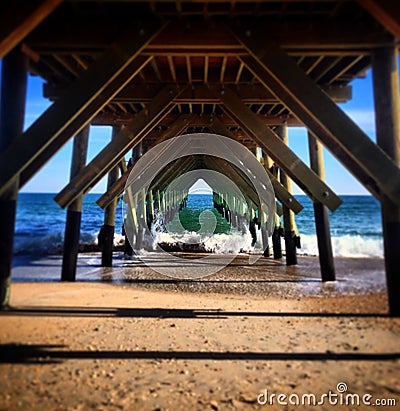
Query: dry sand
point(93, 346)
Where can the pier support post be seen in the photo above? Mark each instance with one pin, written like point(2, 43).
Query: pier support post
point(321, 215)
point(288, 215)
point(108, 228)
point(276, 234)
point(12, 111)
point(276, 239)
point(257, 151)
point(74, 211)
point(386, 98)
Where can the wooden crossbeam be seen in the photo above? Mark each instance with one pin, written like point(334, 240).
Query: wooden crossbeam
point(306, 179)
point(281, 193)
point(39, 161)
point(56, 36)
point(126, 139)
point(363, 158)
point(82, 93)
point(387, 12)
point(250, 94)
point(20, 18)
point(107, 119)
point(117, 188)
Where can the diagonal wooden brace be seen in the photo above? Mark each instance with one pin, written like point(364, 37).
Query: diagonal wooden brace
point(92, 86)
point(181, 123)
point(299, 172)
point(20, 18)
point(281, 193)
point(356, 151)
point(125, 140)
point(127, 75)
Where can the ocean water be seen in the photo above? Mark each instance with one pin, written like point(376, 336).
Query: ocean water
point(355, 226)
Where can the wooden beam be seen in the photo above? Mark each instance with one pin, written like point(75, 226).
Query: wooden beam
point(289, 223)
point(107, 119)
point(108, 228)
point(386, 12)
point(306, 179)
point(321, 216)
point(12, 111)
point(74, 213)
point(20, 18)
point(250, 94)
point(117, 188)
point(281, 193)
point(84, 92)
point(277, 71)
point(55, 36)
point(387, 105)
point(128, 137)
point(41, 159)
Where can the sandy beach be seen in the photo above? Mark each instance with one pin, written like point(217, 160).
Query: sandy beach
point(145, 345)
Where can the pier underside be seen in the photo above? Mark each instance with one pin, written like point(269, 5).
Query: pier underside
point(247, 70)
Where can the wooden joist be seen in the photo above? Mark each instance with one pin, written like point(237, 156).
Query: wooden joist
point(208, 38)
point(111, 155)
point(306, 179)
point(20, 18)
point(107, 119)
point(363, 158)
point(82, 93)
point(250, 94)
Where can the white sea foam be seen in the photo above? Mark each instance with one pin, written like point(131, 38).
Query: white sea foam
point(217, 243)
point(344, 246)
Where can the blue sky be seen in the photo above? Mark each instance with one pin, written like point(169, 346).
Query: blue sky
point(55, 174)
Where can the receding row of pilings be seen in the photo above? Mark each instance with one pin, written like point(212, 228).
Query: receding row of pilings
point(386, 97)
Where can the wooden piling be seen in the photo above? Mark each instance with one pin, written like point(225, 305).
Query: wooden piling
point(386, 99)
point(276, 238)
point(108, 228)
point(288, 215)
point(74, 211)
point(257, 151)
point(12, 111)
point(321, 214)
point(276, 234)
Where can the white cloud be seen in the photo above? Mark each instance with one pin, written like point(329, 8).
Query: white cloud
point(365, 119)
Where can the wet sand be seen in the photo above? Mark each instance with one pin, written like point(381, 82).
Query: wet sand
point(151, 344)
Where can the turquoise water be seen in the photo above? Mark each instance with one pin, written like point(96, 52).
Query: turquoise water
point(355, 226)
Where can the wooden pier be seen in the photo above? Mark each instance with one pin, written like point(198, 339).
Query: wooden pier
point(248, 70)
